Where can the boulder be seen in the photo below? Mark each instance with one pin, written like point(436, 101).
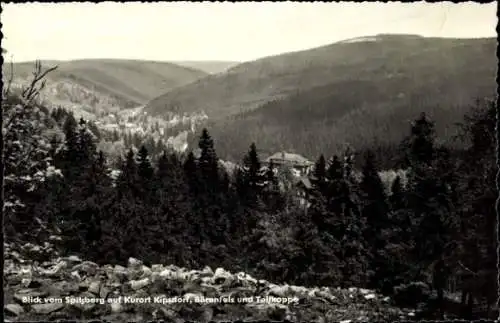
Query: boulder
point(138, 284)
point(94, 287)
point(13, 309)
point(46, 308)
point(87, 268)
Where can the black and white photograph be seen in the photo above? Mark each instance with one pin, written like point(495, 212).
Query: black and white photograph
point(249, 161)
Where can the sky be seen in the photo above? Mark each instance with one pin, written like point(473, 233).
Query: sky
point(226, 31)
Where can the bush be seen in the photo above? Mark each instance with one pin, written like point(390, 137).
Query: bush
point(412, 294)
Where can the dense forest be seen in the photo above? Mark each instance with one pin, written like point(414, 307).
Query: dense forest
point(430, 237)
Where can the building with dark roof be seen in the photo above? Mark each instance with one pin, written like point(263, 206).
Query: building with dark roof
point(300, 165)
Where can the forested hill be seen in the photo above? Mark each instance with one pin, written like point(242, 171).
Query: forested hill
point(131, 82)
point(382, 71)
point(110, 92)
point(357, 92)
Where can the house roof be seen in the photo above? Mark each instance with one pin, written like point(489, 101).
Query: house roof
point(288, 157)
point(304, 182)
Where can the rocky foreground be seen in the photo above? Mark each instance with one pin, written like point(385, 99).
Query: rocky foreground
point(64, 288)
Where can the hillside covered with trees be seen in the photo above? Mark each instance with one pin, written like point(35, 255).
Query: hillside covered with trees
point(361, 92)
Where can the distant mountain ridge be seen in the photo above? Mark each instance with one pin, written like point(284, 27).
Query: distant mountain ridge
point(210, 67)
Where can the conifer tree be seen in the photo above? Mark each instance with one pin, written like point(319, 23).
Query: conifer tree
point(93, 200)
point(251, 177)
point(127, 180)
point(145, 172)
point(191, 173)
point(210, 200)
point(430, 208)
point(335, 177)
point(86, 145)
point(70, 153)
point(478, 195)
point(171, 229)
point(375, 206)
point(397, 194)
point(421, 140)
point(375, 213)
point(319, 175)
point(208, 162)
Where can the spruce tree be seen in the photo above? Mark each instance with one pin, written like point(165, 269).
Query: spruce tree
point(431, 210)
point(375, 213)
point(335, 184)
point(191, 173)
point(375, 206)
point(86, 145)
point(253, 181)
point(478, 192)
point(319, 175)
point(421, 140)
point(346, 222)
point(208, 162)
point(94, 199)
point(145, 172)
point(397, 194)
point(126, 183)
point(71, 149)
point(210, 201)
point(171, 230)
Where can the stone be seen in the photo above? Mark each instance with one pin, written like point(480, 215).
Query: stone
point(134, 263)
point(13, 309)
point(119, 273)
point(138, 284)
point(146, 272)
point(116, 308)
point(207, 271)
point(370, 296)
point(156, 267)
point(111, 282)
point(104, 292)
point(94, 287)
point(84, 285)
point(62, 288)
point(209, 291)
point(75, 275)
point(60, 316)
point(46, 308)
point(55, 270)
point(74, 258)
point(164, 313)
point(86, 306)
point(87, 267)
point(26, 282)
